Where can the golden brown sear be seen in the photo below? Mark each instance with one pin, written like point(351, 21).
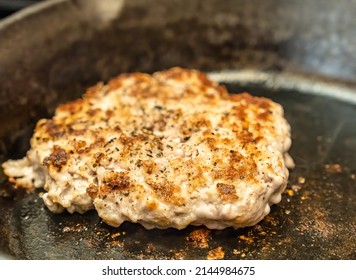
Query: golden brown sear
point(164, 150)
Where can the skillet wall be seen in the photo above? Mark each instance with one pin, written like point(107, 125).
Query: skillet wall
point(53, 51)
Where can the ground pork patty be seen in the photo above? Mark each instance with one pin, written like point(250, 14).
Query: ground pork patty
point(164, 150)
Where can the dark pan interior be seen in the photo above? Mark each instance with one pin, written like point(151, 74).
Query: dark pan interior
point(316, 218)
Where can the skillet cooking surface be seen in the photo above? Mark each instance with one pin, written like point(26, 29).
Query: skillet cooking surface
point(315, 220)
point(45, 64)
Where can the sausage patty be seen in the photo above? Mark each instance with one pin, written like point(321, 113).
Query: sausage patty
point(164, 150)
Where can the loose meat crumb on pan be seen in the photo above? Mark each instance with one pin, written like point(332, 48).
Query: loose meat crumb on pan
point(170, 149)
point(216, 254)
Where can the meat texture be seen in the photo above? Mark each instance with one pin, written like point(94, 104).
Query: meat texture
point(164, 150)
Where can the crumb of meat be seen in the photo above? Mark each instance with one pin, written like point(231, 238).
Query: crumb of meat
point(178, 255)
point(333, 168)
point(289, 192)
point(296, 188)
point(248, 240)
point(271, 220)
point(216, 254)
point(301, 180)
point(118, 234)
point(200, 238)
point(236, 252)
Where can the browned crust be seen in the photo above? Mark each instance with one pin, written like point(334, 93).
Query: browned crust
point(92, 191)
point(227, 192)
point(226, 166)
point(116, 181)
point(58, 158)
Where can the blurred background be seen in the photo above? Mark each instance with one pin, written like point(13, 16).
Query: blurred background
point(7, 7)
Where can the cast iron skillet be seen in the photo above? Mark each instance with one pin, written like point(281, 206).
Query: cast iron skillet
point(298, 53)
